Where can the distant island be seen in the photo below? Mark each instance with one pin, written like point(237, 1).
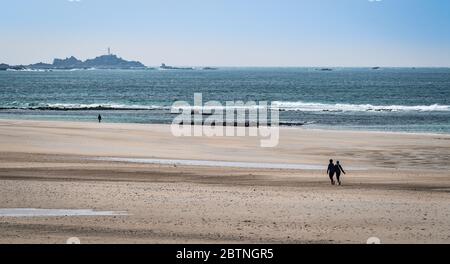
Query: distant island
point(104, 62)
point(109, 61)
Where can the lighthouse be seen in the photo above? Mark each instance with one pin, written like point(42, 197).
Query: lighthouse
point(109, 51)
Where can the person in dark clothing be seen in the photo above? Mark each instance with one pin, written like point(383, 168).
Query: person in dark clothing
point(331, 171)
point(338, 169)
point(99, 118)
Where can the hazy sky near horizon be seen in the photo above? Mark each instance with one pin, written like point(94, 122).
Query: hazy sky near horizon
point(230, 32)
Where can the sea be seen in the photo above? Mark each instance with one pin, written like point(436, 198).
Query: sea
point(413, 100)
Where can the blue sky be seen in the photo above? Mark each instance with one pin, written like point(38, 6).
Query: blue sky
point(230, 32)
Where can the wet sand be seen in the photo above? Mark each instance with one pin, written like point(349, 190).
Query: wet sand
point(400, 193)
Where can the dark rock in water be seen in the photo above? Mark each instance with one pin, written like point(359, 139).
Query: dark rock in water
point(165, 67)
point(225, 124)
point(4, 67)
point(17, 68)
point(292, 124)
point(210, 69)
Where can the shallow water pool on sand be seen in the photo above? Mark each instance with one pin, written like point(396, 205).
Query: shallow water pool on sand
point(31, 212)
point(227, 164)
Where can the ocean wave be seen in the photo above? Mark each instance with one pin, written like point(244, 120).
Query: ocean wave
point(320, 107)
point(79, 107)
point(281, 105)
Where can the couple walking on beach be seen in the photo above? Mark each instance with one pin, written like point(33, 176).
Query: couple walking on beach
point(335, 169)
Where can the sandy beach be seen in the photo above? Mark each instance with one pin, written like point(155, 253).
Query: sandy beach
point(397, 187)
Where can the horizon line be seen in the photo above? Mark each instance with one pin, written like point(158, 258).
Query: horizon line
point(271, 66)
point(241, 66)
